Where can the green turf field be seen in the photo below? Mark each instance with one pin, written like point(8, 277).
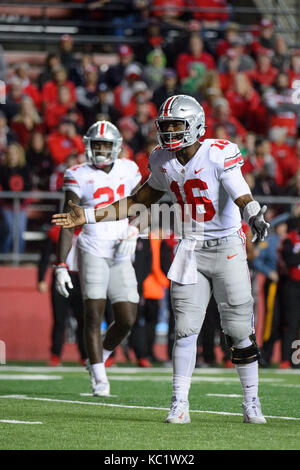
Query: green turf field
point(51, 408)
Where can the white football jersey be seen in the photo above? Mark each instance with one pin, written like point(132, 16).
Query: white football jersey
point(96, 188)
point(205, 188)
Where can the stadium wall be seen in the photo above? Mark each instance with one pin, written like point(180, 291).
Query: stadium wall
point(26, 319)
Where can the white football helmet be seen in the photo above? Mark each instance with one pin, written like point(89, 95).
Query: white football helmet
point(98, 132)
point(180, 108)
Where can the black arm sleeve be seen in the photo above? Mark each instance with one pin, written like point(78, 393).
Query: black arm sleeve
point(48, 250)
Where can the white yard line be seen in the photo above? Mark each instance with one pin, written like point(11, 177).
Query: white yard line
point(114, 405)
point(29, 377)
point(13, 421)
point(226, 395)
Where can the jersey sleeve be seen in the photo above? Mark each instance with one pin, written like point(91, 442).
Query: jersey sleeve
point(72, 182)
point(156, 179)
point(135, 175)
point(228, 160)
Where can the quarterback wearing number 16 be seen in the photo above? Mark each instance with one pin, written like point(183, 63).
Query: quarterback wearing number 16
point(203, 175)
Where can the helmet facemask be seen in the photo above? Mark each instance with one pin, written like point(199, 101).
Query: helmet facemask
point(177, 139)
point(106, 153)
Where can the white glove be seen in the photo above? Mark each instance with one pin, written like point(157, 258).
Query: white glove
point(128, 243)
point(259, 226)
point(62, 278)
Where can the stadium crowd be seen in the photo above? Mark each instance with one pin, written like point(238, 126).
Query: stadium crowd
point(247, 84)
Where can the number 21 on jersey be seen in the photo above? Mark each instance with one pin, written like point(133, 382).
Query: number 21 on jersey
point(109, 195)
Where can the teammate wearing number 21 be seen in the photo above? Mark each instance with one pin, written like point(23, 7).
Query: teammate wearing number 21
point(104, 249)
point(205, 176)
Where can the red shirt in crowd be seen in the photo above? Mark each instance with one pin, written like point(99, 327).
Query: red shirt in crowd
point(50, 91)
point(61, 146)
point(286, 160)
point(23, 133)
point(209, 16)
point(142, 160)
point(266, 78)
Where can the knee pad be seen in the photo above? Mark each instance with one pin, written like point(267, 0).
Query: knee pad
point(244, 355)
point(237, 320)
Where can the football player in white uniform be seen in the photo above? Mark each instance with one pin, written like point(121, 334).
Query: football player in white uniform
point(204, 177)
point(104, 249)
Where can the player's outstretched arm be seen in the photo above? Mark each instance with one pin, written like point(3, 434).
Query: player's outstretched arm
point(78, 216)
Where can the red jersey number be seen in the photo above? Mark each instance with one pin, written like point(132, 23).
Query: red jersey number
point(109, 193)
point(194, 201)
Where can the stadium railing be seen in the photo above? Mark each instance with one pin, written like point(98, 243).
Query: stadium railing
point(17, 258)
point(16, 27)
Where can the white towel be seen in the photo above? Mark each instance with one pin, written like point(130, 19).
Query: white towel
point(184, 267)
point(72, 258)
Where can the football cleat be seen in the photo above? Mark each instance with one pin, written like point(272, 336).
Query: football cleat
point(179, 412)
point(252, 412)
point(102, 389)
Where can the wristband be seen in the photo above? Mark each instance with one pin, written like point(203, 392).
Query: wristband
point(251, 210)
point(61, 265)
point(89, 215)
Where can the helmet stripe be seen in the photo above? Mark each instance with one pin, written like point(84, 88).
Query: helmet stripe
point(102, 126)
point(168, 106)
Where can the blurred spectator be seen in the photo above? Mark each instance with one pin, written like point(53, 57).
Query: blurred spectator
point(3, 65)
point(13, 100)
point(14, 177)
point(284, 155)
point(209, 90)
point(64, 142)
point(131, 136)
point(268, 263)
point(50, 89)
point(154, 70)
point(145, 121)
point(208, 18)
point(56, 110)
point(39, 161)
point(192, 83)
point(142, 157)
point(116, 73)
point(87, 94)
point(77, 74)
point(245, 104)
point(66, 52)
point(195, 53)
point(154, 40)
point(141, 95)
point(7, 136)
point(21, 76)
point(266, 36)
point(231, 34)
point(168, 88)
point(294, 70)
point(281, 56)
point(26, 121)
point(235, 59)
point(264, 75)
point(291, 293)
point(125, 91)
point(263, 167)
point(102, 108)
point(281, 106)
point(52, 60)
point(221, 116)
point(168, 11)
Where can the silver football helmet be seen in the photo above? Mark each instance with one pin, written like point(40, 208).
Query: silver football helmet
point(99, 132)
point(180, 108)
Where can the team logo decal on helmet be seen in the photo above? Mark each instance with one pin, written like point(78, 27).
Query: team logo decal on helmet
point(184, 109)
point(102, 131)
